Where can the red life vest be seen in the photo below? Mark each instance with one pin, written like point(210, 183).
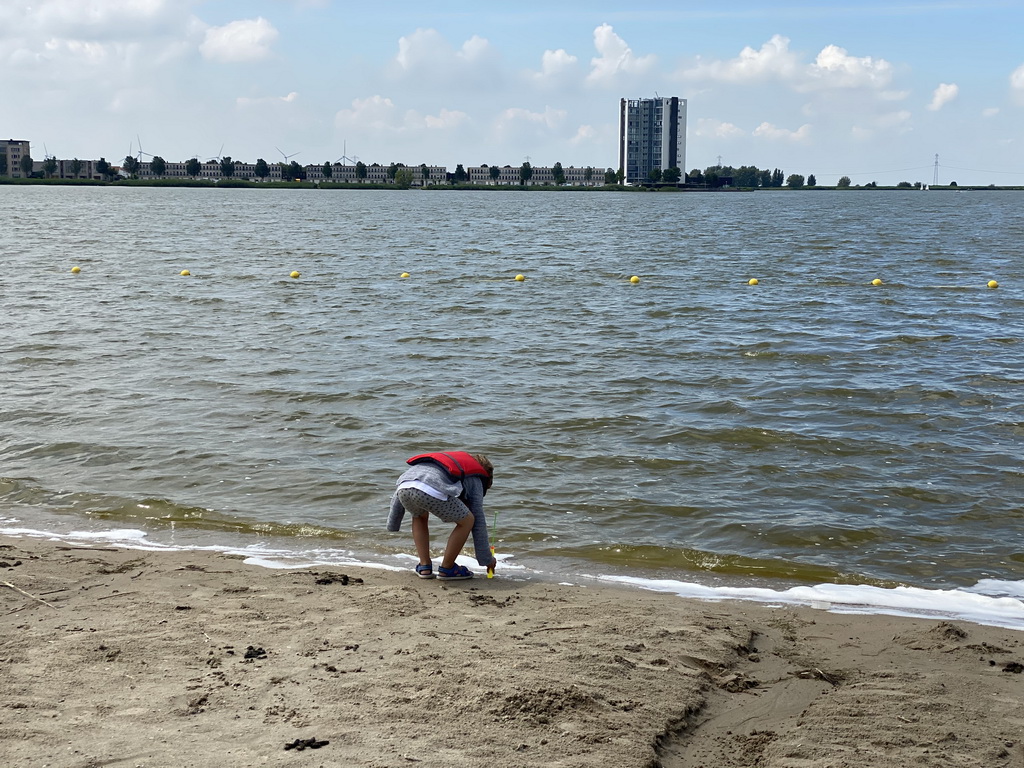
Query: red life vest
point(458, 464)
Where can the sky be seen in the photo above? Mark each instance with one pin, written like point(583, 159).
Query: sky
point(870, 89)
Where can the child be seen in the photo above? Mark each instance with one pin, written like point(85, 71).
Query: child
point(450, 485)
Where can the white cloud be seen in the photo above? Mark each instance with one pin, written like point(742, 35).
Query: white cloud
point(89, 19)
point(549, 118)
point(555, 66)
point(374, 113)
point(717, 129)
point(446, 119)
point(888, 123)
point(243, 101)
point(59, 42)
point(423, 46)
point(942, 95)
point(378, 114)
point(238, 41)
point(475, 49)
point(425, 56)
point(428, 49)
point(899, 120)
point(769, 131)
point(584, 134)
point(615, 58)
point(772, 60)
point(835, 68)
point(990, 112)
point(1017, 80)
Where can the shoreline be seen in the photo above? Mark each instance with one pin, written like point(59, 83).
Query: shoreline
point(111, 655)
point(239, 183)
point(988, 602)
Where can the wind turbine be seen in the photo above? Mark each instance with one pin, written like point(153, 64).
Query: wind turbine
point(287, 157)
point(141, 153)
point(344, 156)
point(218, 157)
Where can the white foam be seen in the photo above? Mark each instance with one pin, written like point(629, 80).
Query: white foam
point(992, 602)
point(254, 554)
point(998, 588)
point(279, 563)
point(966, 604)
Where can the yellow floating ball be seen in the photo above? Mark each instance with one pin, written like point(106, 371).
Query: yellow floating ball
point(185, 273)
point(520, 278)
point(404, 274)
point(752, 281)
point(296, 275)
point(993, 284)
point(876, 281)
point(634, 279)
point(75, 270)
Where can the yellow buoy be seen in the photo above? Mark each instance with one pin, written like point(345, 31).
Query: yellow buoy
point(75, 270)
point(634, 279)
point(876, 281)
point(296, 275)
point(752, 281)
point(993, 284)
point(185, 273)
point(520, 278)
point(404, 274)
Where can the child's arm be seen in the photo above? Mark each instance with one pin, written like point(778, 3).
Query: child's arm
point(396, 514)
point(473, 488)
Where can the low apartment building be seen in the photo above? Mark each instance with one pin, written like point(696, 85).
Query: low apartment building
point(12, 152)
point(509, 175)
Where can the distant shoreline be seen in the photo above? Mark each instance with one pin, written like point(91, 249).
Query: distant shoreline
point(243, 184)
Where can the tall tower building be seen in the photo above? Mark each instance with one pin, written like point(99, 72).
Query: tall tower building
point(652, 135)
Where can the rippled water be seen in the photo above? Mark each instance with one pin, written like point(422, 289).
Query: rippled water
point(813, 427)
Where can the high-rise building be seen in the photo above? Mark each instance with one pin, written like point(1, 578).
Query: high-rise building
point(652, 136)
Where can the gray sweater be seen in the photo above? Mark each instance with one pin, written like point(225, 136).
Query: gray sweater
point(437, 478)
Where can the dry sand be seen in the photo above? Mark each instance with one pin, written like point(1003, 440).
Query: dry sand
point(131, 658)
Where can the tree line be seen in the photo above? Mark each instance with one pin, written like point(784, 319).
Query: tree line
point(748, 176)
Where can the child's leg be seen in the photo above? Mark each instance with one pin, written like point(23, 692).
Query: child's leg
point(457, 540)
point(421, 537)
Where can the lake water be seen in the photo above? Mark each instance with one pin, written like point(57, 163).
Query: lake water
point(813, 428)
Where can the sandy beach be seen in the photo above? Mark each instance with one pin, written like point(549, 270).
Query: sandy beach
point(113, 657)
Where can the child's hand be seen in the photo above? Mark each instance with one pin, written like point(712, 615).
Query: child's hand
point(490, 566)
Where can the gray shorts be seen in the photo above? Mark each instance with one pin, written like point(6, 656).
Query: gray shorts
point(418, 503)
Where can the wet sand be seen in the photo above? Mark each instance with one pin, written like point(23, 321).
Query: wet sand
point(132, 658)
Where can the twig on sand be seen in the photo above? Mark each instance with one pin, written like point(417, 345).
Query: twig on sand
point(555, 629)
point(26, 594)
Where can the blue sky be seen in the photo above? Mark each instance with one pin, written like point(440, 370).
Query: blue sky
point(869, 89)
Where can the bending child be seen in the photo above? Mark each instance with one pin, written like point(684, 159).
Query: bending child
point(450, 485)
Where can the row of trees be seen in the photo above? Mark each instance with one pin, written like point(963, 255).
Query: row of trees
point(748, 176)
point(398, 173)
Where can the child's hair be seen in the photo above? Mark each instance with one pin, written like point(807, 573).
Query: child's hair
point(486, 464)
